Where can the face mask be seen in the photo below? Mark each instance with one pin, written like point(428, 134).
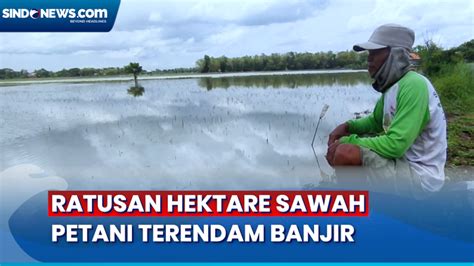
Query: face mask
point(396, 65)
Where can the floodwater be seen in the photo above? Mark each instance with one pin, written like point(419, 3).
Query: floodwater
point(232, 132)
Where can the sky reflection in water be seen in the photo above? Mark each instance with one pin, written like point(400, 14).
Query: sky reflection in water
point(208, 133)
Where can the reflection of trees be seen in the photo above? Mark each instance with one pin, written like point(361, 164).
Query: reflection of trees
point(285, 81)
point(136, 91)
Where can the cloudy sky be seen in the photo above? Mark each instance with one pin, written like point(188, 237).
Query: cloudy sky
point(172, 33)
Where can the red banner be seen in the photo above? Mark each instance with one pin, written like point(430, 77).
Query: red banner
point(208, 203)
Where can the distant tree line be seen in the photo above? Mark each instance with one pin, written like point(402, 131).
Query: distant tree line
point(273, 62)
point(287, 61)
point(179, 70)
point(433, 58)
point(7, 73)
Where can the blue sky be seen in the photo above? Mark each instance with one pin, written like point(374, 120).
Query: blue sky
point(168, 34)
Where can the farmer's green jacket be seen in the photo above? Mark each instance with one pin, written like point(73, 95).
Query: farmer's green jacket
point(410, 123)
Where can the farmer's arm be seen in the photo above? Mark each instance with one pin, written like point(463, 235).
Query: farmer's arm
point(368, 124)
point(411, 117)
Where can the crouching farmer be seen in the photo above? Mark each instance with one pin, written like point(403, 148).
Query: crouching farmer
point(405, 135)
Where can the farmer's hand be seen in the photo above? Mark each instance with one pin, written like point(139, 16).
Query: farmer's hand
point(330, 155)
point(340, 131)
point(343, 154)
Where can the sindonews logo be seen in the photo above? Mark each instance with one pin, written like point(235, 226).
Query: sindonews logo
point(58, 15)
point(54, 13)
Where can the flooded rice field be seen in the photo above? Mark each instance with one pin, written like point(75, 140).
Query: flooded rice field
point(233, 132)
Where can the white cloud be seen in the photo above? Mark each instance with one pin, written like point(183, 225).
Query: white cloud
point(167, 34)
point(443, 19)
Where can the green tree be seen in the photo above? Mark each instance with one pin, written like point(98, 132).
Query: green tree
point(206, 64)
point(7, 73)
point(431, 57)
point(42, 73)
point(467, 50)
point(223, 63)
point(135, 69)
point(214, 65)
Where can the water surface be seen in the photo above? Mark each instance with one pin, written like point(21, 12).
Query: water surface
point(234, 132)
